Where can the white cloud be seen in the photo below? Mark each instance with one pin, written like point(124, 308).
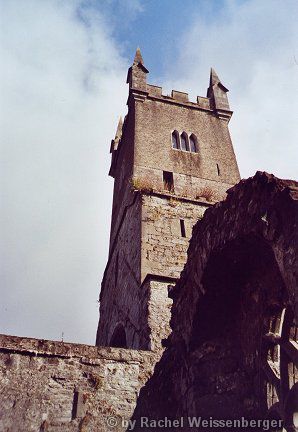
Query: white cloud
point(253, 46)
point(62, 89)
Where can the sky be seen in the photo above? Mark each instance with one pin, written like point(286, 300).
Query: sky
point(63, 73)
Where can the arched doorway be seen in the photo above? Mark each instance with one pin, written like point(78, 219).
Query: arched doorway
point(118, 339)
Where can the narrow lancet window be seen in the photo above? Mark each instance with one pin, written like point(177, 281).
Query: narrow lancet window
point(184, 141)
point(193, 144)
point(175, 140)
point(182, 227)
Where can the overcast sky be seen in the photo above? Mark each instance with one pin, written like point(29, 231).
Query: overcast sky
point(63, 73)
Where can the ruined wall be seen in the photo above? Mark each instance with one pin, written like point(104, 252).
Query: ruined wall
point(155, 312)
point(159, 313)
point(55, 386)
point(233, 347)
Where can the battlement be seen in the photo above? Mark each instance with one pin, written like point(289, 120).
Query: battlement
point(178, 97)
point(215, 101)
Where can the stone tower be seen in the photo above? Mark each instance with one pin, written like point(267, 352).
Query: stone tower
point(171, 159)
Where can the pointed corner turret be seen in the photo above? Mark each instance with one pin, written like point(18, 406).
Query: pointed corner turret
point(136, 76)
point(138, 60)
point(214, 80)
point(138, 57)
point(217, 93)
point(213, 77)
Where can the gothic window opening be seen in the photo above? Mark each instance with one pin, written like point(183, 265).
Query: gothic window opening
point(182, 228)
point(193, 144)
point(184, 142)
point(168, 181)
point(175, 140)
point(118, 340)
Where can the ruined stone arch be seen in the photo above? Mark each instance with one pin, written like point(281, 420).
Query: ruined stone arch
point(239, 342)
point(240, 272)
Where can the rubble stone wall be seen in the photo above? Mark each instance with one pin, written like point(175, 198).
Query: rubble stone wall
point(62, 387)
point(164, 249)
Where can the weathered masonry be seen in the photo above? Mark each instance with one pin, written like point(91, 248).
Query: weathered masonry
point(50, 386)
point(171, 159)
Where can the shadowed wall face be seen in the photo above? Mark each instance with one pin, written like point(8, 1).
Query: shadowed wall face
point(244, 292)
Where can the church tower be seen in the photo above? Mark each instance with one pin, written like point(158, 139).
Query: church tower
point(171, 159)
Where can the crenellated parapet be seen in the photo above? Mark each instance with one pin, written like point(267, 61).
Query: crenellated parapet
point(215, 101)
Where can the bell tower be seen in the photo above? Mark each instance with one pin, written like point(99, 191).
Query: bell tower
point(171, 159)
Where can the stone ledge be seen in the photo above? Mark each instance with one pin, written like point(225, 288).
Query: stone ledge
point(87, 353)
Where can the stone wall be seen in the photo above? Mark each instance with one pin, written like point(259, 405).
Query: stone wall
point(62, 387)
point(156, 119)
point(156, 312)
point(164, 249)
point(149, 240)
point(185, 185)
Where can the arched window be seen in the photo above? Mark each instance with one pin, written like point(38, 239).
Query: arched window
point(193, 144)
point(175, 140)
point(184, 142)
point(118, 340)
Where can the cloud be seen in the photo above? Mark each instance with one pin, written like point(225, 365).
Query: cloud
point(62, 90)
point(253, 47)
